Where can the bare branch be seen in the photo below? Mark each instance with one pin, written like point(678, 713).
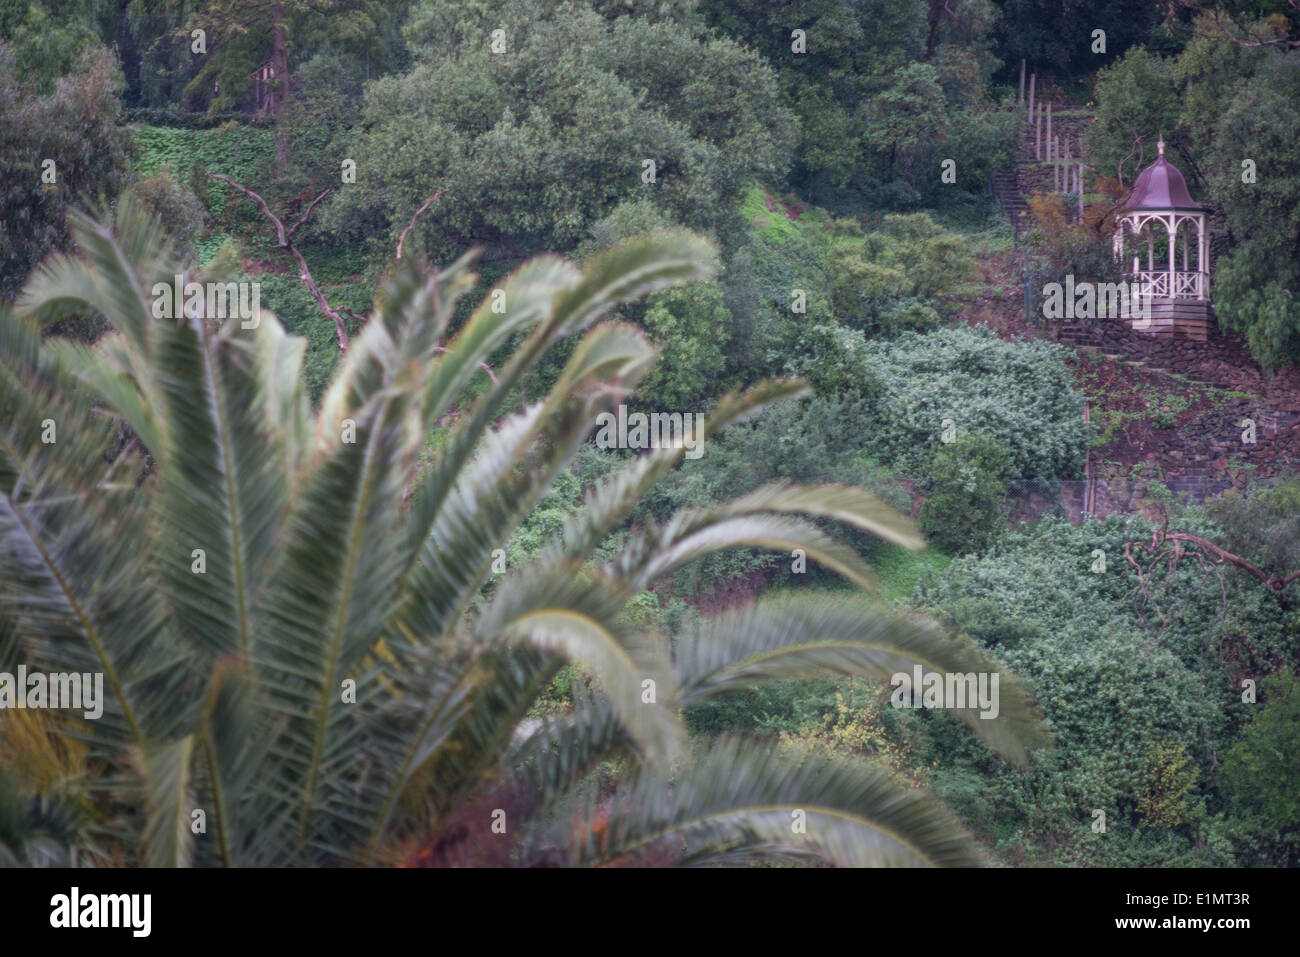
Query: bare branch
point(310, 207)
point(1274, 582)
point(275, 220)
point(427, 203)
point(286, 243)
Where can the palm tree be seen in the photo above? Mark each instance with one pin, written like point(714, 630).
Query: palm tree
point(302, 663)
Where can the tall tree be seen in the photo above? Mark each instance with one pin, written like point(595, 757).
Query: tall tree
point(56, 147)
point(252, 42)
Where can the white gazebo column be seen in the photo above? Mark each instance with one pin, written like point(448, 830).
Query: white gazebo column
point(1202, 273)
point(1172, 229)
point(1193, 281)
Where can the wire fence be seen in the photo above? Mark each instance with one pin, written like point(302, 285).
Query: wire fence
point(1030, 499)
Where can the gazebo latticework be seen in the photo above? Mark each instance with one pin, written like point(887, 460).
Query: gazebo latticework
point(1161, 211)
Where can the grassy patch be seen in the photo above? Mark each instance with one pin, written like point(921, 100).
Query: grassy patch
point(900, 569)
point(773, 225)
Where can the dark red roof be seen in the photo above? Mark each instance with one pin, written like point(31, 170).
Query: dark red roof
point(1161, 186)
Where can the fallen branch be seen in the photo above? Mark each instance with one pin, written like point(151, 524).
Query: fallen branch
point(1275, 582)
point(285, 241)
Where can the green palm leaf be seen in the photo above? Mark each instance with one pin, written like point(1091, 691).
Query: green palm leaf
point(745, 799)
point(800, 638)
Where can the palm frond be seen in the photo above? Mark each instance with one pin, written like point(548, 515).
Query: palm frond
point(168, 839)
point(514, 469)
point(612, 498)
point(803, 637)
point(575, 613)
point(654, 551)
point(746, 799)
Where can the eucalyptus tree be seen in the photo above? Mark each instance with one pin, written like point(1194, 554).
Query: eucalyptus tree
point(307, 656)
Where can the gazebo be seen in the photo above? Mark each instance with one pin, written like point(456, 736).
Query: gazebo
point(1161, 210)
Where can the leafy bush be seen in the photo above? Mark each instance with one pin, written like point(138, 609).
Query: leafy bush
point(1141, 695)
point(894, 280)
point(691, 327)
point(76, 127)
point(179, 212)
point(964, 508)
point(1020, 393)
point(1261, 768)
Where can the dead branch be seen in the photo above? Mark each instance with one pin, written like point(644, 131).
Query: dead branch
point(1169, 548)
point(427, 203)
point(1274, 582)
point(285, 242)
point(307, 213)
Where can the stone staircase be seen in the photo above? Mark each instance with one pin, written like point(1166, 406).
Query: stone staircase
point(1006, 193)
point(1012, 187)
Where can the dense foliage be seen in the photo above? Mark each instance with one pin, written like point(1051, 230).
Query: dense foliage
point(963, 507)
point(1131, 683)
point(1019, 393)
point(742, 192)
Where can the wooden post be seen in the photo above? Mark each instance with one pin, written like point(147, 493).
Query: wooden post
point(1050, 155)
point(1033, 77)
point(1020, 100)
point(1056, 171)
point(1038, 133)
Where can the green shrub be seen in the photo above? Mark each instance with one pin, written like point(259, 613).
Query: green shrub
point(690, 326)
point(965, 506)
point(1135, 689)
point(1020, 393)
point(1261, 769)
point(179, 212)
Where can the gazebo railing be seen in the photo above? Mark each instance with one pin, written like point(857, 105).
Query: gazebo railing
point(1172, 285)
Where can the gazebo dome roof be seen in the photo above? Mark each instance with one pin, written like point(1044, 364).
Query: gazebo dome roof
point(1161, 186)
